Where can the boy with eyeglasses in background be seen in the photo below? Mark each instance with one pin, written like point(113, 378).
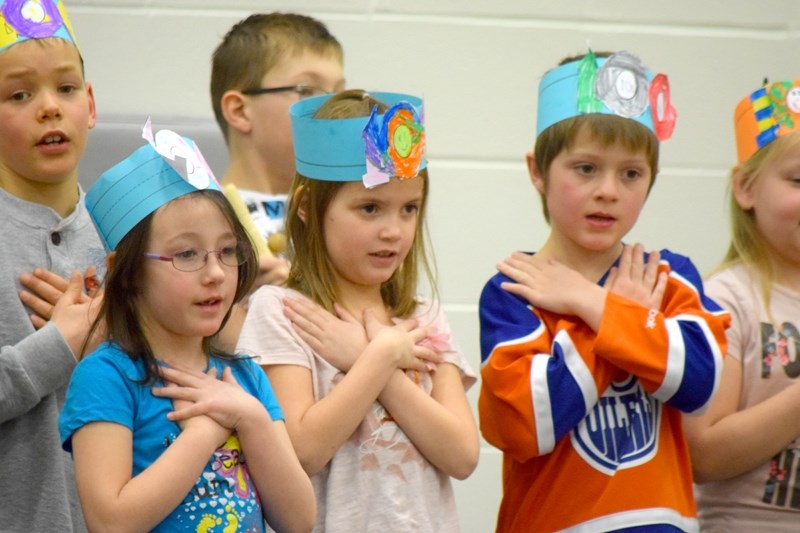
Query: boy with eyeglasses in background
point(46, 111)
point(264, 64)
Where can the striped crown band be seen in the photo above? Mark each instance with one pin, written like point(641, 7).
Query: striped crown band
point(144, 181)
point(767, 113)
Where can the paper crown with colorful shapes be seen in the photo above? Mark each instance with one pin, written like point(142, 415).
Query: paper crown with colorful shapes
point(616, 85)
point(767, 113)
point(21, 20)
point(373, 149)
point(144, 181)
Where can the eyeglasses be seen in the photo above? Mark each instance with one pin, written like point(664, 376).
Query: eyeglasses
point(191, 260)
point(303, 90)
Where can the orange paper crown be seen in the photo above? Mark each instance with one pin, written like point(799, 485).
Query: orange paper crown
point(771, 111)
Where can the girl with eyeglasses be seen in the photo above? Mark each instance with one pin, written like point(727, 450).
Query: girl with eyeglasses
point(167, 432)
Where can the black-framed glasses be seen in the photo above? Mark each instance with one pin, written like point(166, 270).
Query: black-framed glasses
point(191, 259)
point(303, 90)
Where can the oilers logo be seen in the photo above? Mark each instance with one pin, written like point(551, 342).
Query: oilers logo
point(622, 429)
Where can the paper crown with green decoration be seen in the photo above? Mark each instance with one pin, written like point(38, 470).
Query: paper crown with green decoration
point(769, 112)
point(373, 148)
point(615, 85)
point(21, 20)
point(166, 168)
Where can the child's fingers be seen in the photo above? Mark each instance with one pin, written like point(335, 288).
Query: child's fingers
point(637, 262)
point(651, 269)
point(426, 354)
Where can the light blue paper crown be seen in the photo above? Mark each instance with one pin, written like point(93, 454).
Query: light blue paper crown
point(144, 181)
point(21, 20)
point(372, 149)
point(616, 85)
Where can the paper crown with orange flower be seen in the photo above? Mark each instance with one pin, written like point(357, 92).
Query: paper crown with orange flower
point(616, 85)
point(21, 20)
point(373, 149)
point(769, 112)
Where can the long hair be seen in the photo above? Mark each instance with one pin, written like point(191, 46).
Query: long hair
point(311, 272)
point(123, 287)
point(747, 244)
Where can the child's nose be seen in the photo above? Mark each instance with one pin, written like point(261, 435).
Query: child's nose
point(50, 106)
point(608, 185)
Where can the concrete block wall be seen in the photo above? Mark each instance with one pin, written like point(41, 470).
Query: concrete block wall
point(478, 63)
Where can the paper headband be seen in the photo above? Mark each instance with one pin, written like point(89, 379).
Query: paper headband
point(21, 20)
point(768, 113)
point(617, 85)
point(373, 149)
point(144, 181)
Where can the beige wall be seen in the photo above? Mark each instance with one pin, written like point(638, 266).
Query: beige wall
point(477, 63)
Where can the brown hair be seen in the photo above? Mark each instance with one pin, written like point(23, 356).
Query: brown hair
point(608, 130)
point(256, 44)
point(311, 272)
point(124, 279)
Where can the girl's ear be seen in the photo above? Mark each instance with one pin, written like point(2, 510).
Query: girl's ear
point(301, 198)
point(234, 108)
point(742, 188)
point(533, 172)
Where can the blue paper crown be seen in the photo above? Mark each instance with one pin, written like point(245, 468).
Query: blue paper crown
point(361, 148)
point(616, 85)
point(21, 20)
point(144, 181)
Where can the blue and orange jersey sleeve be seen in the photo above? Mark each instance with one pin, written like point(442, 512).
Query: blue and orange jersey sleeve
point(540, 376)
point(675, 351)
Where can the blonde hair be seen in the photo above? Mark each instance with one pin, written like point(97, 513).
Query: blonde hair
point(311, 272)
point(256, 44)
point(747, 244)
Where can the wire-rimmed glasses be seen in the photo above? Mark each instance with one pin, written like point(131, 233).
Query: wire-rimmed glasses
point(191, 259)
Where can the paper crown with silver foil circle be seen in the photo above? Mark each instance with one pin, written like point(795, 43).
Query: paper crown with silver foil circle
point(616, 85)
point(21, 20)
point(166, 168)
point(373, 149)
point(769, 112)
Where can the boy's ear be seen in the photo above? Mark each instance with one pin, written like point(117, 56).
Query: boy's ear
point(742, 188)
point(533, 172)
point(92, 108)
point(234, 109)
point(301, 197)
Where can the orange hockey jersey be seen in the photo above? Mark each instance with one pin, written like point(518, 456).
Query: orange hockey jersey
point(589, 423)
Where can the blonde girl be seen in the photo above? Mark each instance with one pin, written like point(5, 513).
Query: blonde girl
point(746, 447)
point(372, 385)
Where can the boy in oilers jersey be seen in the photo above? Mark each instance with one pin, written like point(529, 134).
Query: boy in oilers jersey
point(591, 347)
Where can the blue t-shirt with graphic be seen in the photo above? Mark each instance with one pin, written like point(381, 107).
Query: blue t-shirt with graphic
point(106, 386)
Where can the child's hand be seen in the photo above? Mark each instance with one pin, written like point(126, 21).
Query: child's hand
point(339, 340)
point(401, 341)
point(546, 283)
point(223, 400)
point(637, 280)
point(44, 288)
point(74, 314)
